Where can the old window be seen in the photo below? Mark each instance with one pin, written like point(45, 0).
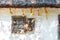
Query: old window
point(22, 24)
point(59, 27)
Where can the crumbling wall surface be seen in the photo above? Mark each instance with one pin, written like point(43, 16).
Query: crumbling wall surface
point(44, 29)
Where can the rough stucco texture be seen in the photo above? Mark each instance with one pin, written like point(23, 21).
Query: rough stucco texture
point(44, 29)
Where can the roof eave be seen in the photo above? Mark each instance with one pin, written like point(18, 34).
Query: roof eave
point(31, 6)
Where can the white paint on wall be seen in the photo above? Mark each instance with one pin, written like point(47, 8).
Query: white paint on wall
point(44, 29)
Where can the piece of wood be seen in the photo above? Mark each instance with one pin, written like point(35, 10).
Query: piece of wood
point(10, 11)
point(31, 6)
point(23, 12)
point(39, 14)
point(46, 13)
point(31, 13)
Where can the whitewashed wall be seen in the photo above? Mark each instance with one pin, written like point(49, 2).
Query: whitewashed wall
point(44, 29)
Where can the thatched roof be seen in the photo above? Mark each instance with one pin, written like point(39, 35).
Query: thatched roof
point(29, 3)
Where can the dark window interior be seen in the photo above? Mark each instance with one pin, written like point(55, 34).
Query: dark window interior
point(22, 24)
point(59, 27)
point(17, 23)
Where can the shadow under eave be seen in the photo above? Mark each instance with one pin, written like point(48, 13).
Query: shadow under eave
point(30, 6)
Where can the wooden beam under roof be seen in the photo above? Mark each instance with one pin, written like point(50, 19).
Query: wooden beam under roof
point(31, 6)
